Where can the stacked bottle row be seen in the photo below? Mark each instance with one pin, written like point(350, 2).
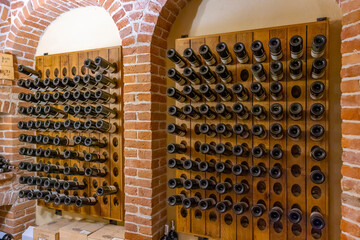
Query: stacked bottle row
point(5, 165)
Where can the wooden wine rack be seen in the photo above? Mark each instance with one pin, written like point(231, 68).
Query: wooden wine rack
point(71, 64)
point(272, 191)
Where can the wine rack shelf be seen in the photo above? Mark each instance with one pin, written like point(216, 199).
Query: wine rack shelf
point(71, 65)
point(277, 191)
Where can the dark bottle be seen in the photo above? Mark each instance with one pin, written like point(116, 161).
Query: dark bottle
point(176, 94)
point(88, 96)
point(70, 200)
point(63, 141)
point(258, 71)
point(276, 89)
point(31, 181)
point(39, 85)
point(276, 171)
point(74, 170)
point(80, 84)
point(49, 125)
point(189, 164)
point(174, 75)
point(49, 153)
point(317, 132)
point(175, 57)
point(241, 111)
point(49, 84)
point(207, 148)
point(95, 172)
point(54, 112)
point(106, 127)
point(90, 64)
point(317, 176)
point(175, 200)
point(190, 55)
point(241, 53)
point(79, 97)
point(24, 193)
point(259, 151)
point(192, 93)
point(33, 194)
point(48, 140)
point(29, 71)
point(276, 131)
point(258, 130)
point(318, 46)
point(105, 112)
point(223, 111)
point(207, 55)
point(317, 220)
point(79, 140)
point(296, 111)
point(59, 85)
point(50, 182)
point(43, 194)
point(50, 197)
point(175, 163)
point(296, 69)
point(59, 98)
point(96, 157)
point(190, 74)
point(258, 51)
point(90, 111)
point(224, 54)
point(224, 74)
point(317, 111)
point(27, 97)
point(241, 188)
point(40, 125)
point(95, 142)
point(176, 182)
point(59, 185)
point(276, 152)
point(276, 111)
point(23, 165)
point(176, 112)
point(24, 179)
point(207, 166)
point(224, 149)
point(107, 190)
point(258, 170)
point(240, 208)
point(68, 125)
point(89, 126)
point(69, 97)
point(258, 91)
point(224, 93)
point(191, 184)
point(318, 153)
point(240, 169)
point(176, 148)
point(224, 206)
point(22, 110)
point(79, 111)
point(241, 150)
point(275, 214)
point(190, 111)
point(209, 130)
point(241, 130)
point(22, 137)
point(207, 92)
point(240, 91)
point(258, 209)
point(275, 49)
point(68, 83)
point(39, 97)
point(317, 90)
point(296, 47)
point(207, 203)
point(104, 81)
point(191, 202)
point(21, 83)
point(86, 201)
point(276, 70)
point(173, 128)
point(105, 65)
point(89, 81)
point(294, 132)
point(224, 187)
point(40, 153)
point(318, 68)
point(258, 112)
point(208, 184)
point(224, 130)
point(54, 168)
point(104, 97)
point(207, 74)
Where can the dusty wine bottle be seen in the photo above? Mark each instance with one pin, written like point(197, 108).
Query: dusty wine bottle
point(276, 111)
point(224, 74)
point(241, 53)
point(258, 91)
point(224, 129)
point(175, 200)
point(190, 202)
point(207, 148)
point(191, 184)
point(29, 71)
point(259, 151)
point(259, 112)
point(80, 84)
point(207, 166)
point(86, 201)
point(317, 111)
point(258, 209)
point(317, 176)
point(240, 91)
point(317, 132)
point(296, 47)
point(241, 207)
point(223, 111)
point(96, 157)
point(318, 153)
point(104, 81)
point(318, 68)
point(240, 169)
point(224, 187)
point(107, 190)
point(296, 111)
point(259, 72)
point(258, 130)
point(105, 65)
point(74, 170)
point(275, 49)
point(192, 93)
point(106, 127)
point(192, 58)
point(176, 94)
point(190, 74)
point(276, 89)
point(318, 46)
point(275, 214)
point(190, 111)
point(89, 81)
point(189, 164)
point(207, 111)
point(276, 131)
point(207, 74)
point(317, 220)
point(295, 69)
point(208, 184)
point(95, 172)
point(54, 112)
point(241, 188)
point(104, 97)
point(54, 168)
point(174, 75)
point(224, 54)
point(224, 93)
point(90, 111)
point(176, 112)
point(207, 129)
point(241, 130)
point(224, 206)
point(317, 90)
point(104, 112)
point(294, 132)
point(173, 128)
point(63, 141)
point(276, 70)
point(207, 55)
point(224, 149)
point(176, 182)
point(70, 200)
point(207, 203)
point(176, 148)
point(208, 93)
point(176, 58)
point(258, 51)
point(276, 171)
point(90, 64)
point(175, 163)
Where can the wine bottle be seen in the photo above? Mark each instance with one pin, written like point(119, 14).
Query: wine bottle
point(241, 130)
point(51, 197)
point(258, 71)
point(258, 130)
point(294, 132)
point(192, 93)
point(80, 83)
point(296, 69)
point(241, 150)
point(89, 97)
point(296, 47)
point(225, 74)
point(89, 81)
point(190, 74)
point(29, 71)
point(207, 203)
point(190, 55)
point(23, 179)
point(50, 153)
point(79, 140)
point(276, 70)
point(74, 185)
point(258, 51)
point(207, 74)
point(176, 112)
point(59, 185)
point(240, 169)
point(318, 68)
point(54, 168)
point(241, 111)
point(96, 157)
point(21, 83)
point(54, 112)
point(224, 54)
point(90, 64)
point(189, 164)
point(176, 182)
point(74, 170)
point(224, 130)
point(317, 111)
point(79, 111)
point(241, 53)
point(175, 163)
point(105, 65)
point(176, 94)
point(22, 110)
point(276, 171)
point(224, 93)
point(276, 89)
point(89, 126)
point(317, 176)
point(106, 127)
point(174, 75)
point(223, 111)
point(317, 90)
point(275, 214)
point(104, 97)
point(190, 202)
point(207, 148)
point(224, 149)
point(241, 188)
point(208, 184)
point(207, 55)
point(209, 130)
point(50, 182)
point(175, 200)
point(86, 201)
point(23, 165)
point(296, 111)
point(207, 166)
point(276, 111)
point(240, 91)
point(224, 187)
point(258, 112)
point(68, 125)
point(258, 91)
point(49, 125)
point(259, 151)
point(33, 194)
point(70, 200)
point(318, 46)
point(190, 111)
point(276, 131)
point(176, 148)
point(95, 172)
point(63, 141)
point(95, 142)
point(258, 209)
point(208, 93)
point(175, 57)
point(240, 208)
point(317, 132)
point(258, 170)
point(192, 184)
point(24, 193)
point(28, 97)
point(275, 49)
point(276, 152)
point(38, 85)
point(105, 82)
point(31, 181)
point(41, 181)
point(224, 206)
point(90, 111)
